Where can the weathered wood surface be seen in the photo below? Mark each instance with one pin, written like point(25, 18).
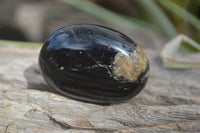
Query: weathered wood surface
point(170, 101)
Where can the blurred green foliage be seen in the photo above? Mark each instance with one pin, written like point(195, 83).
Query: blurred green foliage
point(165, 17)
point(180, 13)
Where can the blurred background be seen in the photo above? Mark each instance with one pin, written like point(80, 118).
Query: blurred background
point(148, 22)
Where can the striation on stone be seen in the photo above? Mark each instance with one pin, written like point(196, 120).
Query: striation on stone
point(94, 63)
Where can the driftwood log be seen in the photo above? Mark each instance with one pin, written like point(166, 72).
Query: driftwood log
point(170, 101)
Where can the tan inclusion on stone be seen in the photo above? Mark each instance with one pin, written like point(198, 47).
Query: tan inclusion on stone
point(130, 67)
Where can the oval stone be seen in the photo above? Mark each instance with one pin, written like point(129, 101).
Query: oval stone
point(94, 64)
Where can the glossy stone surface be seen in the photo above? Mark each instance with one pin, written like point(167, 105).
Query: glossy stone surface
point(93, 63)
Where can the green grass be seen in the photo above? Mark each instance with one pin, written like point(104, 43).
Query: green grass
point(158, 17)
point(159, 23)
point(181, 12)
point(109, 16)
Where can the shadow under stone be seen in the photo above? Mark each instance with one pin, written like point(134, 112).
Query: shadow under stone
point(35, 80)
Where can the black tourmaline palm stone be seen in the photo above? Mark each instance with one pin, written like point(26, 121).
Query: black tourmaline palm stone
point(94, 64)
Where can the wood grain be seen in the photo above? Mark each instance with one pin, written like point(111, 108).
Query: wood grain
point(170, 101)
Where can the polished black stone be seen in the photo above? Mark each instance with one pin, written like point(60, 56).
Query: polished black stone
point(93, 63)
